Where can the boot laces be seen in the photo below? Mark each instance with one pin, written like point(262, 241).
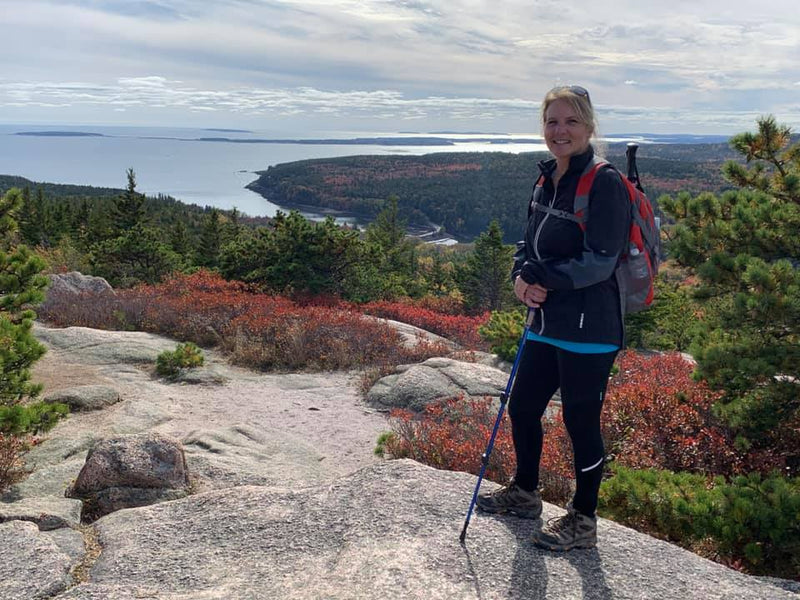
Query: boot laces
point(562, 523)
point(506, 490)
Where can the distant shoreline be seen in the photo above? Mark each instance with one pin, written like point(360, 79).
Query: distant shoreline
point(60, 134)
point(432, 140)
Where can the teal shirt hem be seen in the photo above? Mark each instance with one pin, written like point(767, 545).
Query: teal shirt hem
point(577, 347)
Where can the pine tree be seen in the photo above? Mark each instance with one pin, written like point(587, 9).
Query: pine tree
point(129, 209)
point(394, 251)
point(745, 247)
point(30, 219)
point(487, 283)
point(138, 255)
point(59, 218)
point(44, 213)
point(21, 285)
point(179, 239)
point(388, 230)
point(80, 224)
point(208, 251)
point(232, 228)
point(99, 227)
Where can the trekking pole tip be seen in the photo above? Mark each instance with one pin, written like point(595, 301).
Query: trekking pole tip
point(463, 535)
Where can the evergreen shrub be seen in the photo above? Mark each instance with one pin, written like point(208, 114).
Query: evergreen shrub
point(39, 417)
point(185, 356)
point(502, 332)
point(670, 324)
point(749, 522)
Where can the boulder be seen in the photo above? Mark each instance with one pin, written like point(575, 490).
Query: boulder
point(78, 283)
point(85, 397)
point(416, 386)
point(131, 470)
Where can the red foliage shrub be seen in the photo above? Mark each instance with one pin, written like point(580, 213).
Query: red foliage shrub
point(259, 330)
point(556, 470)
point(458, 328)
point(446, 305)
point(283, 335)
point(657, 416)
point(63, 308)
point(192, 307)
point(452, 434)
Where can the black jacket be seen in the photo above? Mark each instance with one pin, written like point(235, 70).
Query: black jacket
point(583, 303)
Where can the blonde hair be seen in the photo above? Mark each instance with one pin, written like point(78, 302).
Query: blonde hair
point(578, 98)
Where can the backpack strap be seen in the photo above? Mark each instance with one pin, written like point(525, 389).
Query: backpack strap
point(536, 195)
point(581, 204)
point(561, 214)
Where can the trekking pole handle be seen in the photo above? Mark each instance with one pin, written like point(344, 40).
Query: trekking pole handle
point(630, 153)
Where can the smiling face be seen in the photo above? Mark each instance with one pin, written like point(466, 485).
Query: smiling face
point(565, 133)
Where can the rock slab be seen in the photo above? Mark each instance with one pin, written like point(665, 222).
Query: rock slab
point(32, 566)
point(387, 531)
point(96, 347)
point(46, 512)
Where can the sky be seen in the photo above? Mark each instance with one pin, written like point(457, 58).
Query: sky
point(306, 67)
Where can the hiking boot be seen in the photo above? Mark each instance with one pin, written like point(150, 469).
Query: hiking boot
point(573, 530)
point(511, 499)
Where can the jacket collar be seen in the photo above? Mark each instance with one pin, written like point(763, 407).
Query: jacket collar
point(577, 163)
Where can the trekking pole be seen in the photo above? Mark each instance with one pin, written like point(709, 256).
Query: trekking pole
point(633, 175)
point(633, 170)
point(503, 400)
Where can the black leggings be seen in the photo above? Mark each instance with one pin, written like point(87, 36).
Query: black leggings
point(582, 378)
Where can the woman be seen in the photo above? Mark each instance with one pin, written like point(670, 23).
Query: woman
point(566, 276)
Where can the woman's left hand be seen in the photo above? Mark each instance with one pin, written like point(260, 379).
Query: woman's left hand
point(532, 295)
point(535, 295)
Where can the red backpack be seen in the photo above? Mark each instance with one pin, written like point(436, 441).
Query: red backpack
point(638, 265)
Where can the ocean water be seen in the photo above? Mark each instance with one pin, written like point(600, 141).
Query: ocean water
point(175, 162)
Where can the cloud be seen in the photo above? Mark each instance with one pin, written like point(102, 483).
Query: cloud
point(156, 92)
point(420, 58)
